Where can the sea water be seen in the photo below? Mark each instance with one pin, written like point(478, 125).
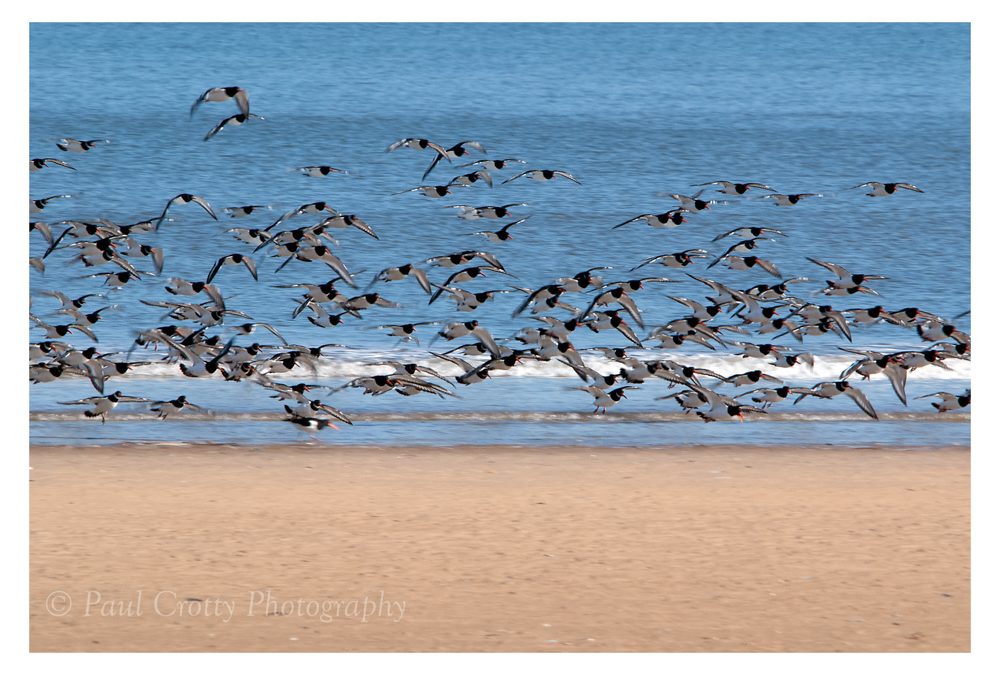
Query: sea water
point(635, 112)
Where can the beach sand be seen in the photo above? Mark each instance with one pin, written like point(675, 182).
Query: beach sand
point(213, 548)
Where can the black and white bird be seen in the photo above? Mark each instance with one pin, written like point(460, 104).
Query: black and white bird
point(950, 401)
point(583, 281)
point(748, 232)
point(736, 262)
point(101, 406)
point(221, 94)
point(874, 363)
point(232, 259)
point(319, 171)
point(831, 389)
point(472, 178)
point(402, 272)
point(693, 202)
point(605, 398)
point(322, 253)
point(419, 144)
point(495, 164)
point(39, 163)
point(308, 423)
point(165, 409)
point(237, 120)
point(310, 208)
point(845, 279)
point(462, 257)
point(674, 260)
point(432, 191)
point(406, 332)
point(503, 234)
point(671, 218)
point(790, 199)
point(744, 246)
point(885, 189)
point(39, 205)
point(243, 211)
point(465, 274)
point(345, 220)
point(186, 198)
point(179, 286)
point(466, 212)
point(731, 188)
point(543, 175)
point(73, 145)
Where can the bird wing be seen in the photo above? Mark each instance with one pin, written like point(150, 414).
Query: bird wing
point(215, 268)
point(629, 334)
point(421, 277)
point(862, 401)
point(631, 220)
point(198, 101)
point(461, 363)
point(363, 226)
point(243, 101)
point(841, 322)
point(337, 265)
point(491, 259)
point(528, 300)
point(274, 331)
point(213, 292)
point(59, 162)
point(727, 234)
point(629, 304)
point(566, 174)
point(510, 225)
point(333, 412)
point(523, 173)
point(217, 128)
point(250, 265)
point(770, 268)
point(583, 372)
point(200, 201)
point(83, 401)
point(832, 267)
point(487, 340)
point(157, 255)
point(86, 331)
point(897, 378)
point(473, 144)
point(434, 163)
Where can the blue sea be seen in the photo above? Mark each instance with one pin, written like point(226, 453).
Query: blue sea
point(635, 112)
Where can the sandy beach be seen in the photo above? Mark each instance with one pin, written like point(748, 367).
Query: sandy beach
point(216, 548)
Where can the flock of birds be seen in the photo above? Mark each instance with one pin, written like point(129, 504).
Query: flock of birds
point(203, 339)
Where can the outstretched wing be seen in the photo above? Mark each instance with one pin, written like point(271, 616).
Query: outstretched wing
point(768, 267)
point(862, 401)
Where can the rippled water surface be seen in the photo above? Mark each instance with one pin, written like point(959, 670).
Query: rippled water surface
point(635, 112)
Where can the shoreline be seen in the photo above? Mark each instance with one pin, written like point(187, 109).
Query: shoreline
point(499, 548)
point(556, 448)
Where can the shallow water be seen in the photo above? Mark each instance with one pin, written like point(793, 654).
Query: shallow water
point(634, 111)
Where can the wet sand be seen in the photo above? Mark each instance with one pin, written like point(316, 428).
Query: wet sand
point(214, 548)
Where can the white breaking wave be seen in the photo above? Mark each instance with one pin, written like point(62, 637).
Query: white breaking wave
point(827, 366)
